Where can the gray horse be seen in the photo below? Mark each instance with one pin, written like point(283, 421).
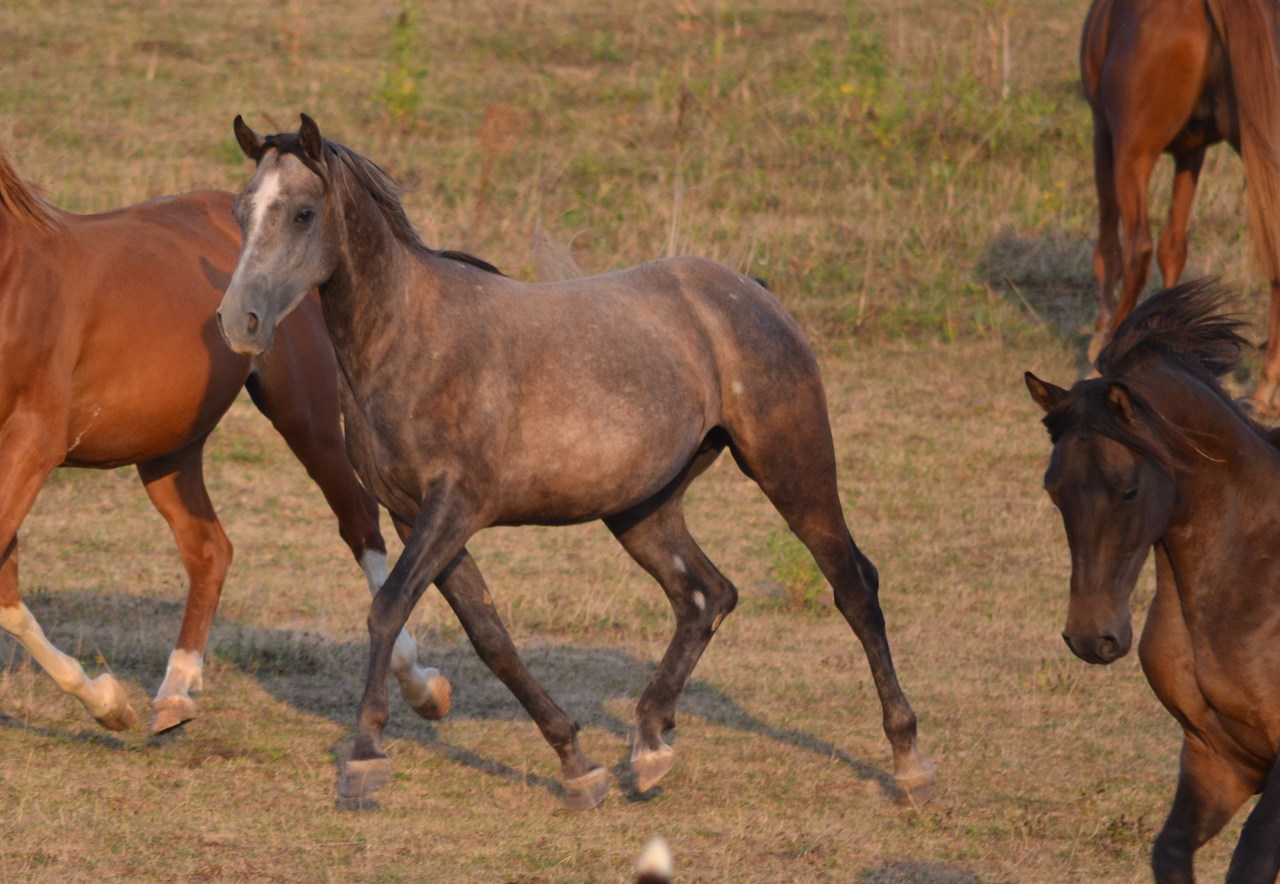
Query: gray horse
point(474, 400)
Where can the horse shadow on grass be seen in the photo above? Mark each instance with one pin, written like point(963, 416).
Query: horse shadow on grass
point(321, 677)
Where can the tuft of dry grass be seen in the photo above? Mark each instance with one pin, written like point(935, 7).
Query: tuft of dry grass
point(915, 184)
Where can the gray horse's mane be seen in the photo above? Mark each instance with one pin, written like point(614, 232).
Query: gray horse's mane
point(375, 181)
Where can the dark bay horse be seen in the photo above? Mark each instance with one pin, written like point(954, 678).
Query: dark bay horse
point(1178, 76)
point(111, 356)
point(474, 400)
point(1155, 454)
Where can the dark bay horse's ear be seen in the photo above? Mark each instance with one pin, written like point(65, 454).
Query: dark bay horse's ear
point(309, 137)
point(1121, 403)
point(250, 141)
point(1046, 395)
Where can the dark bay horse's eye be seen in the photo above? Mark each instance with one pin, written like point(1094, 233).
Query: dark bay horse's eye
point(303, 216)
point(1130, 495)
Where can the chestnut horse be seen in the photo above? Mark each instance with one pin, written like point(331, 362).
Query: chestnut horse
point(111, 357)
point(473, 400)
point(1155, 454)
point(1178, 76)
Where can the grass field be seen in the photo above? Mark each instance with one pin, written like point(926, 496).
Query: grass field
point(914, 181)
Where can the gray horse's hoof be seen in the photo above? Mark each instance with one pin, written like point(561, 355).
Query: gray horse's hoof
point(917, 787)
point(648, 766)
point(170, 712)
point(586, 791)
point(364, 776)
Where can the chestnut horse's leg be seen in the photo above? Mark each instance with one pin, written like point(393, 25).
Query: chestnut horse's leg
point(1106, 254)
point(1171, 254)
point(1265, 393)
point(1209, 792)
point(659, 541)
point(175, 484)
point(305, 413)
point(24, 466)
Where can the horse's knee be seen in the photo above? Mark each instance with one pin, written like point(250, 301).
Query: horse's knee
point(712, 602)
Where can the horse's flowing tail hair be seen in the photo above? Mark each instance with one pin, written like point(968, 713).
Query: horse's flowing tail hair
point(1247, 29)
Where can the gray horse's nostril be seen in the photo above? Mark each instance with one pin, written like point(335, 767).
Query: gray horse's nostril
point(252, 324)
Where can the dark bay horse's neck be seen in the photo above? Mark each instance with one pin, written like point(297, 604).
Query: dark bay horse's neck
point(1225, 534)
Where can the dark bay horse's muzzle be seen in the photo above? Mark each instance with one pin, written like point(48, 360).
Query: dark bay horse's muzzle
point(1099, 647)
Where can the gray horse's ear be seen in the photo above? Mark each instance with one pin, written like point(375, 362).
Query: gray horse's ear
point(250, 141)
point(1046, 395)
point(309, 138)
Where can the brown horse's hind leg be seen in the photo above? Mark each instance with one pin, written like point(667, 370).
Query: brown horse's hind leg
point(1171, 254)
point(1106, 254)
point(176, 487)
point(701, 597)
point(306, 416)
point(25, 464)
point(798, 476)
point(1209, 793)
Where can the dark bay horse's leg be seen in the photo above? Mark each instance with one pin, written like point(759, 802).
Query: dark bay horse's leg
point(701, 597)
point(175, 484)
point(796, 470)
point(306, 414)
point(1257, 855)
point(1209, 793)
point(25, 464)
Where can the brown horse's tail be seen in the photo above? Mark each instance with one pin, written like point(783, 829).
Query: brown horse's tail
point(1247, 28)
point(21, 199)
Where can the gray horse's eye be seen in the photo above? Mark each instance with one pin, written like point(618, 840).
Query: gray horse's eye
point(303, 216)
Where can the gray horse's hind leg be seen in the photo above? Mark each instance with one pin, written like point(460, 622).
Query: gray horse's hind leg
point(799, 478)
point(701, 597)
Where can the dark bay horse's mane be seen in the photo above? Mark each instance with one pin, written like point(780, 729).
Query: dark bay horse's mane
point(384, 190)
point(1187, 326)
point(23, 200)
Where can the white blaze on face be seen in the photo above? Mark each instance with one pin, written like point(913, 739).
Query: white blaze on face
point(266, 193)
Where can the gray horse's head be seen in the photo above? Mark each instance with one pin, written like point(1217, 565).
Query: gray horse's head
point(288, 224)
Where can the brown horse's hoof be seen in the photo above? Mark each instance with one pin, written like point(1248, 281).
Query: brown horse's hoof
point(432, 697)
point(586, 791)
point(918, 787)
point(364, 776)
point(170, 712)
point(650, 766)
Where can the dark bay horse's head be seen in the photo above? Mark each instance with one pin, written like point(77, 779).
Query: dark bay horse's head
point(1111, 479)
point(289, 231)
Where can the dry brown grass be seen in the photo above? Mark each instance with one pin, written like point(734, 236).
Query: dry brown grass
point(930, 229)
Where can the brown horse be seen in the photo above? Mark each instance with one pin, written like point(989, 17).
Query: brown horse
point(473, 400)
point(1155, 453)
point(1178, 76)
point(111, 357)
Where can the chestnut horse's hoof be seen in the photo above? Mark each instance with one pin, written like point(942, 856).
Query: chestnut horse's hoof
point(118, 714)
point(917, 787)
point(648, 766)
point(431, 696)
point(364, 776)
point(170, 712)
point(586, 791)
